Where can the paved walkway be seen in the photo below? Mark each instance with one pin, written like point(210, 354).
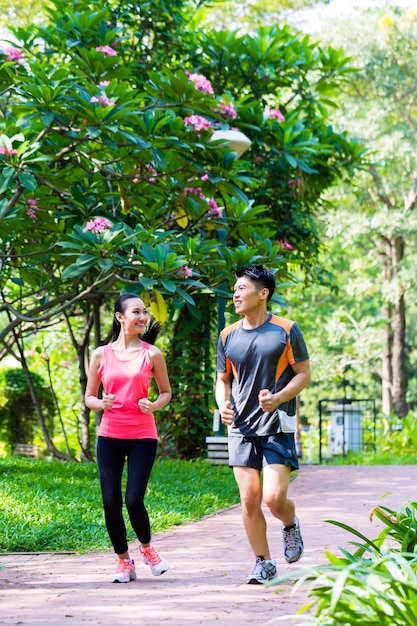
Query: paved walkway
point(209, 561)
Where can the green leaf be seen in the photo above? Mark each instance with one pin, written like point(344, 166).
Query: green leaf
point(169, 285)
point(28, 181)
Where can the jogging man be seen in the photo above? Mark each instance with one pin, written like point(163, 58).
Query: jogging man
point(262, 365)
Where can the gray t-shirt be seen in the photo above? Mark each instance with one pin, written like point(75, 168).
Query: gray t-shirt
point(260, 358)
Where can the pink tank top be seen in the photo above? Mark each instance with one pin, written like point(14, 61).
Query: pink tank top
point(129, 381)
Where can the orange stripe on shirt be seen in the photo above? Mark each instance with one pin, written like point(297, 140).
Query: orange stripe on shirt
point(287, 357)
point(224, 333)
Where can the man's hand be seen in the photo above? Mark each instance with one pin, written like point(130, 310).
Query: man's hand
point(267, 401)
point(227, 413)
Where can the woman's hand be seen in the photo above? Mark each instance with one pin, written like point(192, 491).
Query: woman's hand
point(108, 401)
point(145, 405)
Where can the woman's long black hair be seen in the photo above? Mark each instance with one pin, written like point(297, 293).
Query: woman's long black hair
point(151, 333)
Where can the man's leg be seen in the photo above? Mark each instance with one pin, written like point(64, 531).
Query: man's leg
point(276, 479)
point(275, 488)
point(250, 488)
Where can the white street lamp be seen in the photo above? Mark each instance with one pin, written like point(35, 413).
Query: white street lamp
point(237, 141)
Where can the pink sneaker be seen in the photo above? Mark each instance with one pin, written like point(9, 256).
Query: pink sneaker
point(125, 571)
point(157, 564)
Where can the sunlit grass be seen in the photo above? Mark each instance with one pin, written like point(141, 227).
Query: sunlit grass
point(55, 506)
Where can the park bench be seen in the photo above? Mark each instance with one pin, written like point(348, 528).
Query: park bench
point(27, 449)
point(217, 449)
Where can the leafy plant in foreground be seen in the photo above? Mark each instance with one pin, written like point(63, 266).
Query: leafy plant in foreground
point(377, 584)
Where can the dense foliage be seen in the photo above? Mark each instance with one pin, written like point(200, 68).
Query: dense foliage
point(111, 178)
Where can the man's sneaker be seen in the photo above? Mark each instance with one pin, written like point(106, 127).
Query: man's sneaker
point(293, 542)
point(125, 571)
point(157, 564)
point(263, 571)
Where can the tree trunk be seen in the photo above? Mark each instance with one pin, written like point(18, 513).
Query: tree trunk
point(387, 363)
point(190, 367)
point(387, 350)
point(81, 348)
point(399, 376)
point(50, 445)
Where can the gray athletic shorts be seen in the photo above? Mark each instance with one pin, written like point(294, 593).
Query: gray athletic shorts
point(256, 452)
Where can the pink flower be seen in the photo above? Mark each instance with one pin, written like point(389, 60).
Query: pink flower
point(97, 225)
point(152, 170)
point(228, 110)
point(200, 82)
point(103, 100)
point(107, 51)
point(8, 151)
point(215, 210)
point(104, 83)
point(197, 191)
point(275, 114)
point(204, 177)
point(283, 243)
point(197, 122)
point(30, 211)
point(184, 271)
point(13, 54)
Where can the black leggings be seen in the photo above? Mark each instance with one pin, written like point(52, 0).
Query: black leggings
point(111, 457)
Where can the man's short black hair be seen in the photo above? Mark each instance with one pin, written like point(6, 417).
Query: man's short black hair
point(260, 275)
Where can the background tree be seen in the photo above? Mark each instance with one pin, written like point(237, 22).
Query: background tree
point(17, 412)
point(371, 229)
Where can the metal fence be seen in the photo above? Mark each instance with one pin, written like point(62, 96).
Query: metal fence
point(346, 425)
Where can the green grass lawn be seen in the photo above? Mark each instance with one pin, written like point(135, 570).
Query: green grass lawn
point(56, 506)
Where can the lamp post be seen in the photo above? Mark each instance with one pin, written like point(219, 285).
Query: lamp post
point(239, 144)
point(235, 139)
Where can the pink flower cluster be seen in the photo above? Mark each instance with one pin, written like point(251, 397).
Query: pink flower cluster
point(8, 151)
point(228, 110)
point(150, 169)
point(200, 82)
point(97, 225)
point(214, 208)
point(275, 114)
point(33, 206)
point(283, 243)
point(14, 54)
point(197, 122)
point(184, 271)
point(196, 191)
point(103, 100)
point(108, 51)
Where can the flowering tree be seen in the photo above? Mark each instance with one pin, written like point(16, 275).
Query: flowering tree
point(110, 177)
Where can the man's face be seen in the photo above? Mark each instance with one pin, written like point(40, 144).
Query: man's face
point(247, 296)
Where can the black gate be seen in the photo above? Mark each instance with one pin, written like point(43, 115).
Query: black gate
point(346, 425)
